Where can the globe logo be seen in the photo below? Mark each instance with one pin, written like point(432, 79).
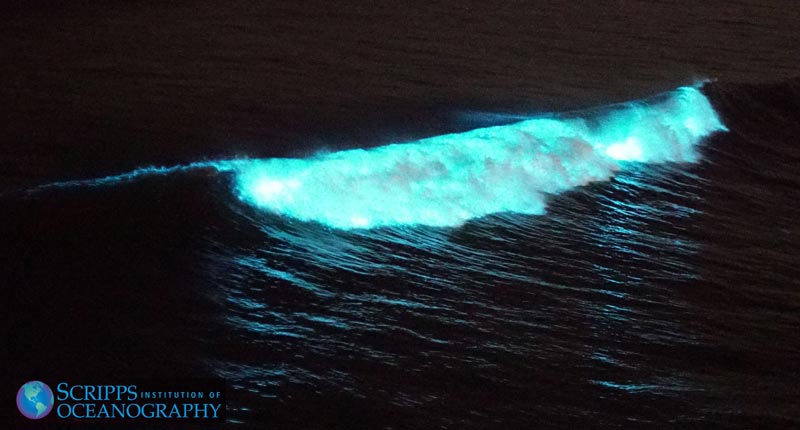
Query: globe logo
point(35, 400)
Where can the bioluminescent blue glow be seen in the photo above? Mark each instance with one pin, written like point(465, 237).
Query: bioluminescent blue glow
point(447, 180)
point(143, 172)
point(626, 387)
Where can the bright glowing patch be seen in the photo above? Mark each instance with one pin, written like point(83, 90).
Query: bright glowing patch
point(359, 221)
point(266, 190)
point(447, 180)
point(625, 151)
point(691, 124)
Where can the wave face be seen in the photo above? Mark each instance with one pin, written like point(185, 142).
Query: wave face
point(447, 180)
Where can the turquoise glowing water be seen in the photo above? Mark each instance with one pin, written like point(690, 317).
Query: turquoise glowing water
point(447, 180)
point(450, 179)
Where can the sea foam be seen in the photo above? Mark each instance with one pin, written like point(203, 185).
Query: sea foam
point(449, 179)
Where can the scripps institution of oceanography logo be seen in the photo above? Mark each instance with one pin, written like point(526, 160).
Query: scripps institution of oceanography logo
point(35, 400)
point(123, 401)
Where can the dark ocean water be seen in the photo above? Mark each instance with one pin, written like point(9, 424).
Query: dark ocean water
point(666, 296)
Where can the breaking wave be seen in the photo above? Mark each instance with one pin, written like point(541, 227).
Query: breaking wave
point(447, 180)
point(450, 179)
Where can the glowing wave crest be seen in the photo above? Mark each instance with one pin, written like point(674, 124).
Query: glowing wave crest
point(447, 180)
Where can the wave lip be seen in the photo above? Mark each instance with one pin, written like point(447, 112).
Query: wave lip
point(447, 180)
